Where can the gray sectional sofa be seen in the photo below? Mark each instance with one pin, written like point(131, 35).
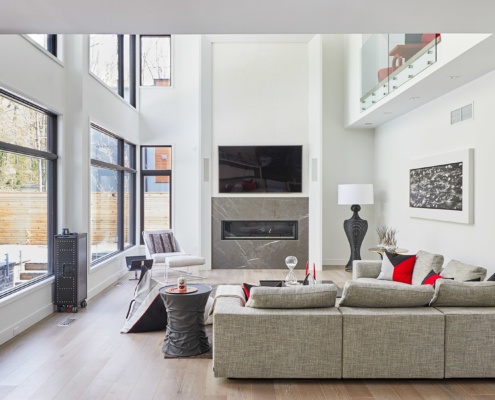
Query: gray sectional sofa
point(446, 332)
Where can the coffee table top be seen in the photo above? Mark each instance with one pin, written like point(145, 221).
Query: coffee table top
point(202, 288)
point(398, 250)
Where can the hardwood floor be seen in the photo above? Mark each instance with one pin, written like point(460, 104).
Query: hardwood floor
point(90, 359)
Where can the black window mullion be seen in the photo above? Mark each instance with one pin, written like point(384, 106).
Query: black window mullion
point(52, 44)
point(132, 70)
point(120, 198)
point(120, 68)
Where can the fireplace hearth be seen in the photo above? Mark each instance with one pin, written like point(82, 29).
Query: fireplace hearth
point(259, 232)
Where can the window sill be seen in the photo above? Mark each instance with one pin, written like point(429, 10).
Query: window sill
point(26, 291)
point(111, 91)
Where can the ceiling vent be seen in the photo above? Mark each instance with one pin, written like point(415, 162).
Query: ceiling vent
point(461, 114)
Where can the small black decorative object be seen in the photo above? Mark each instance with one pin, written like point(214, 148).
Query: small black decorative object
point(355, 227)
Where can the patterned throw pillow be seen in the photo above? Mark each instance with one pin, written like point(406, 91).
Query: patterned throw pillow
point(431, 278)
point(397, 267)
point(161, 243)
point(246, 287)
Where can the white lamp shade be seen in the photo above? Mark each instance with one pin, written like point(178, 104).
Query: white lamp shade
point(356, 194)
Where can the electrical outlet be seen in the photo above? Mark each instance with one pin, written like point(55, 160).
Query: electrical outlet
point(16, 330)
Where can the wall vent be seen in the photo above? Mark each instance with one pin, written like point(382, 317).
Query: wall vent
point(461, 114)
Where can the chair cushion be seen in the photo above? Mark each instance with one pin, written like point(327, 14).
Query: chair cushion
point(184, 261)
point(160, 242)
point(317, 296)
point(426, 262)
point(451, 293)
point(376, 294)
point(463, 272)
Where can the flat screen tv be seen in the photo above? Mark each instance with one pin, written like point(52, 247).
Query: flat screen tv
point(260, 169)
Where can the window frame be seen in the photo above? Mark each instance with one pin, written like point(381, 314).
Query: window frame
point(121, 170)
point(121, 69)
point(141, 59)
point(153, 172)
point(51, 182)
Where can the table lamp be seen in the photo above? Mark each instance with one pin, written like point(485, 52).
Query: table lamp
point(355, 228)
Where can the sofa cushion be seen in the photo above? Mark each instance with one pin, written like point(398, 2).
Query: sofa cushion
point(425, 262)
point(451, 293)
point(397, 267)
point(160, 242)
point(463, 272)
point(364, 293)
point(293, 297)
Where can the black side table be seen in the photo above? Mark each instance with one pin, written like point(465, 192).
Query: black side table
point(185, 335)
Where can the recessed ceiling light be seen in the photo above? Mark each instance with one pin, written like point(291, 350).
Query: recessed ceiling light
point(414, 98)
point(368, 123)
point(454, 77)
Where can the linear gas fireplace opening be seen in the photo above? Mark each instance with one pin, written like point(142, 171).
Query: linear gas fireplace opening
point(259, 230)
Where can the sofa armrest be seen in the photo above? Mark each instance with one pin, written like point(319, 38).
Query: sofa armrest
point(366, 269)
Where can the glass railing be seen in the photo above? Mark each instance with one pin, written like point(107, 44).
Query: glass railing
point(390, 60)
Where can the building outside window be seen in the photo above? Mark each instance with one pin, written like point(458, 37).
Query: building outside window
point(113, 182)
point(28, 167)
point(112, 60)
point(155, 60)
point(156, 187)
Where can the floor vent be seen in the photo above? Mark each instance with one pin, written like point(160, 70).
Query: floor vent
point(67, 322)
point(461, 114)
point(118, 284)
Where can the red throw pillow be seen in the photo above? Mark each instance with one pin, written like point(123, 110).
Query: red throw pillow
point(397, 267)
point(246, 287)
point(431, 278)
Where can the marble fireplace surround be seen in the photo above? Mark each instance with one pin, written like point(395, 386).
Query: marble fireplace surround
point(258, 254)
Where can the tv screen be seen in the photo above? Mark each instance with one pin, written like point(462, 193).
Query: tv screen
point(260, 169)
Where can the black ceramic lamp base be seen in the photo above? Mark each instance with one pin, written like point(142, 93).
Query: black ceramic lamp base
point(355, 229)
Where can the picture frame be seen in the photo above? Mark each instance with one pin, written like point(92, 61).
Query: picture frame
point(441, 187)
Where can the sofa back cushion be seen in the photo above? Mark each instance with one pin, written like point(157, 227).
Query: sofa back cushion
point(316, 296)
point(463, 272)
point(451, 293)
point(383, 294)
point(426, 262)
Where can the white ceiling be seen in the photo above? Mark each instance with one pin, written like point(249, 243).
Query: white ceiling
point(243, 17)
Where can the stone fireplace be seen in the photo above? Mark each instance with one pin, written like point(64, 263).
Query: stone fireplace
point(259, 232)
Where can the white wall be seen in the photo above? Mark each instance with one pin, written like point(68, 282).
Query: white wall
point(68, 90)
point(348, 157)
point(260, 97)
point(172, 116)
point(425, 132)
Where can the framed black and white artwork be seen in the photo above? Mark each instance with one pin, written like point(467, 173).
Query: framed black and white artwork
point(441, 187)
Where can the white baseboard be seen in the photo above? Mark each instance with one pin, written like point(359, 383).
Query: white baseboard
point(334, 261)
point(106, 283)
point(25, 323)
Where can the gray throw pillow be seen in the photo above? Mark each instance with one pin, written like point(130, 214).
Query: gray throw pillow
point(463, 272)
point(450, 293)
point(384, 294)
point(161, 242)
point(425, 263)
point(317, 296)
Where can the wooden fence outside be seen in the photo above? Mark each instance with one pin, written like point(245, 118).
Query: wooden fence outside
point(23, 216)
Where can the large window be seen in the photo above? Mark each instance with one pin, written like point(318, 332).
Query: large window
point(112, 60)
point(113, 183)
point(27, 192)
point(156, 184)
point(48, 42)
point(155, 60)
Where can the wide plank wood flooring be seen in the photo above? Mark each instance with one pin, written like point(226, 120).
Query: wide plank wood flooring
point(90, 359)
